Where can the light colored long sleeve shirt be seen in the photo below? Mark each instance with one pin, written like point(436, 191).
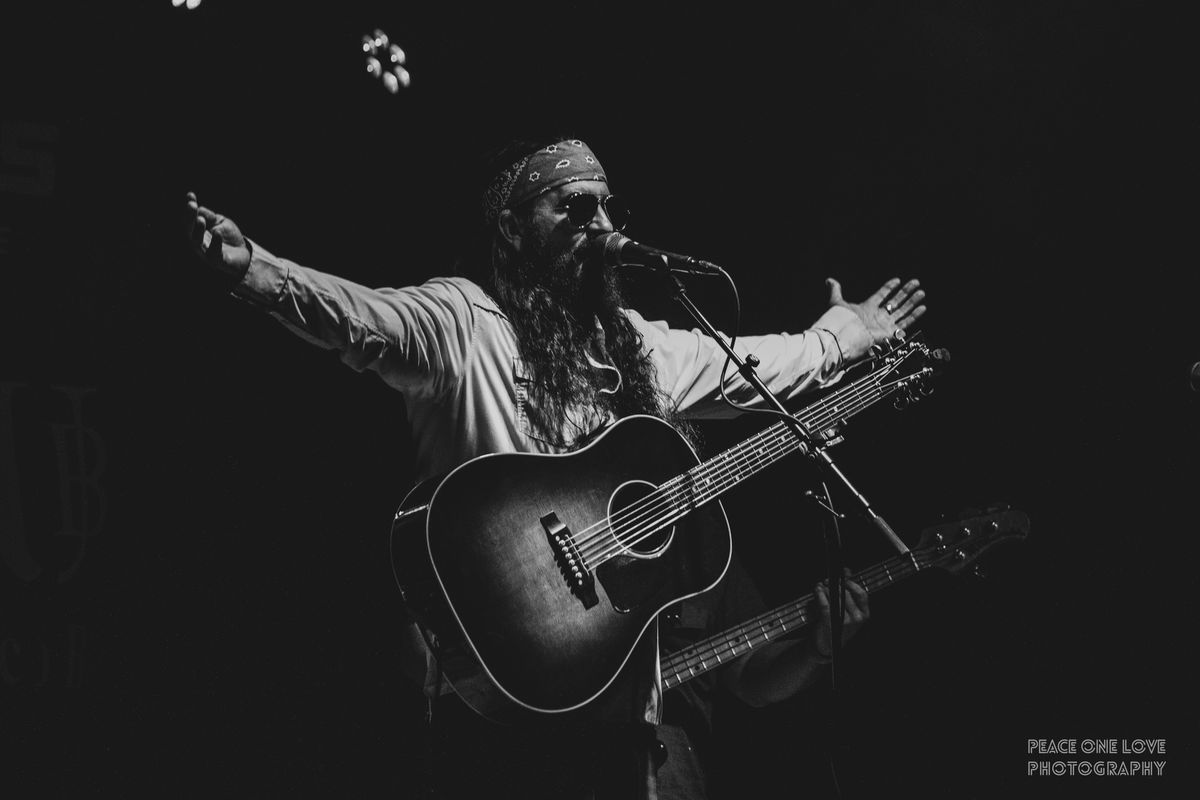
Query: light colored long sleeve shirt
point(450, 350)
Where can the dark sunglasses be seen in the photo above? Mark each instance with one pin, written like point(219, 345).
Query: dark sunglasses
point(581, 209)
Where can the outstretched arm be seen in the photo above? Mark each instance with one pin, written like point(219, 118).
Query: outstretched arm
point(690, 364)
point(417, 338)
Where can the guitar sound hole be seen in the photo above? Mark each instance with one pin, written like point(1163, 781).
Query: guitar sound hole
point(638, 520)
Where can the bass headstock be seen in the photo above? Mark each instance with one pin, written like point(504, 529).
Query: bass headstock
point(955, 545)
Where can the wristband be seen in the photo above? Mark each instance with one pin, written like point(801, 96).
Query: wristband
point(841, 355)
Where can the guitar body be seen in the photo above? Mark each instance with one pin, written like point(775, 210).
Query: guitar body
point(479, 570)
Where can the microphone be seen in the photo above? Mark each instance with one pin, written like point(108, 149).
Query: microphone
point(1194, 377)
point(617, 250)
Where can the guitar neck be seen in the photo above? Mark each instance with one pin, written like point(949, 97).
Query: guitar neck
point(719, 474)
point(705, 482)
point(697, 659)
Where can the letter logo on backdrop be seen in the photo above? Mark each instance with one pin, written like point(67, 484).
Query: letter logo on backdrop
point(80, 459)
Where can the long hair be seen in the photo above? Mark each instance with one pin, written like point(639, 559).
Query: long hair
point(553, 342)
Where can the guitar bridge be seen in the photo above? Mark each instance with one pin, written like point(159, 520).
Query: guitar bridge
point(570, 561)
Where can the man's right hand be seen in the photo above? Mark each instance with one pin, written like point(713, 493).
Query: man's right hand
point(216, 239)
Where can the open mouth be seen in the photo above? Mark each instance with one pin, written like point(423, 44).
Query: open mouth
point(586, 250)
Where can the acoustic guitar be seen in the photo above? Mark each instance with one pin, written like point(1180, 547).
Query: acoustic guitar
point(532, 577)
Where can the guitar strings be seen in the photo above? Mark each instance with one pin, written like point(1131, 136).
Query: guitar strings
point(736, 457)
point(726, 463)
point(758, 630)
point(679, 497)
point(671, 496)
point(781, 442)
point(773, 443)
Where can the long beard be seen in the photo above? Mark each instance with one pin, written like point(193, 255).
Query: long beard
point(560, 308)
point(582, 287)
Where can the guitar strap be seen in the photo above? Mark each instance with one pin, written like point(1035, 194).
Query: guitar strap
point(598, 341)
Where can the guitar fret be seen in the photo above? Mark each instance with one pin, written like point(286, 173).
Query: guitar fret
point(764, 454)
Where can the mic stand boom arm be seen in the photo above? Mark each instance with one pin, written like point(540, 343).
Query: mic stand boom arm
point(833, 538)
point(746, 370)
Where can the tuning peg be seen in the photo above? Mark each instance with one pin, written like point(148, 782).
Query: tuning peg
point(901, 402)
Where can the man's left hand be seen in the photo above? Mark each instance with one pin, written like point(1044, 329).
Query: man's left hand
point(855, 612)
point(885, 315)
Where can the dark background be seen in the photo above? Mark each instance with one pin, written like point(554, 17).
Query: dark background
point(195, 597)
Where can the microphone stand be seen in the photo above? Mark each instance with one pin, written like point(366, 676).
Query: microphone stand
point(831, 531)
point(807, 446)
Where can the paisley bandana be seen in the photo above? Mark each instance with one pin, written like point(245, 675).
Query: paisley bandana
point(538, 173)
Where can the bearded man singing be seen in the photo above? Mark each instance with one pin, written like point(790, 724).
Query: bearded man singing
point(529, 348)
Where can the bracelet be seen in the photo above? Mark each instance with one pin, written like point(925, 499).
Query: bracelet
point(841, 355)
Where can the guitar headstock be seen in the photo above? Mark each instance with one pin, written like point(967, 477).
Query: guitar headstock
point(955, 545)
point(906, 367)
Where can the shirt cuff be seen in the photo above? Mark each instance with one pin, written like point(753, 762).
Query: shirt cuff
point(836, 318)
point(265, 279)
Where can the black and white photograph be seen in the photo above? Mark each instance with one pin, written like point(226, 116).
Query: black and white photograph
point(573, 401)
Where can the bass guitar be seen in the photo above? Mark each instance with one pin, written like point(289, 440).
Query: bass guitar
point(953, 547)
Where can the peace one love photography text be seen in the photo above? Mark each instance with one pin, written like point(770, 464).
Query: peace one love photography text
point(1102, 757)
